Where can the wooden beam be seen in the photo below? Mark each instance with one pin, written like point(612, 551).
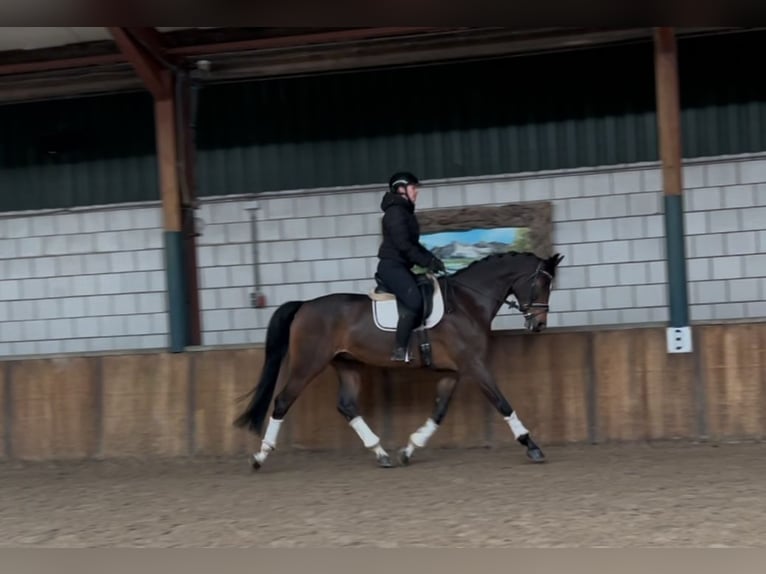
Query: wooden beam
point(62, 64)
point(150, 37)
point(512, 45)
point(146, 65)
point(145, 53)
point(337, 36)
point(668, 109)
point(167, 154)
point(404, 50)
point(669, 130)
point(165, 110)
point(151, 40)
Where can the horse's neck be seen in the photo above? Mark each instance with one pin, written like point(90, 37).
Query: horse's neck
point(488, 284)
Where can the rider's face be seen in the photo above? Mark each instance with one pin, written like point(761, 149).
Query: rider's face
point(412, 192)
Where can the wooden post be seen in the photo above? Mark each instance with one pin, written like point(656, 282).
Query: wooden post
point(167, 152)
point(669, 128)
point(170, 191)
point(160, 81)
point(668, 110)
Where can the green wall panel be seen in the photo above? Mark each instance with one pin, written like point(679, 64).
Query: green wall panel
point(723, 96)
point(79, 151)
point(508, 115)
point(562, 110)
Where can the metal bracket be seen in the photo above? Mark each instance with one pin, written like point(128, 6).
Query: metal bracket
point(679, 339)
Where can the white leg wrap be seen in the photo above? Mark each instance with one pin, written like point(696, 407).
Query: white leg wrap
point(369, 438)
point(269, 441)
point(420, 437)
point(517, 427)
point(272, 432)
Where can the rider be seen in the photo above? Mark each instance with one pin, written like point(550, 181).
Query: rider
point(399, 251)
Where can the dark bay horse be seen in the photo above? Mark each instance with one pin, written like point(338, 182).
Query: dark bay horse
point(348, 330)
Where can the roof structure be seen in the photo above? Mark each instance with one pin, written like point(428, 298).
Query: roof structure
point(50, 62)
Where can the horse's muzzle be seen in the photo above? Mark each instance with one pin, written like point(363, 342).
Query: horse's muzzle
point(534, 324)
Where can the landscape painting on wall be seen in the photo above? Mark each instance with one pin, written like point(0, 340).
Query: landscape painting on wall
point(460, 248)
point(462, 235)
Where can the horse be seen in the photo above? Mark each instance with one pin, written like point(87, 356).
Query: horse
point(347, 330)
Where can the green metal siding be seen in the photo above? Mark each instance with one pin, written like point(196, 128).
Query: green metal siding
point(81, 151)
point(562, 110)
point(723, 96)
point(489, 117)
point(554, 111)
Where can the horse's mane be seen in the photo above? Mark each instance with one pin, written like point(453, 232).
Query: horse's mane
point(504, 255)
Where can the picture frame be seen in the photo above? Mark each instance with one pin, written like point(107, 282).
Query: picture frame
point(461, 235)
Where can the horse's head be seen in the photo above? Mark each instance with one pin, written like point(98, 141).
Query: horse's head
point(532, 288)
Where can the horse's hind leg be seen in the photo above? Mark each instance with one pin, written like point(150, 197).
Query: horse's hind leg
point(348, 395)
point(299, 371)
point(444, 393)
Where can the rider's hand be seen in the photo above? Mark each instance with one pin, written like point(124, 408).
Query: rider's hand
point(437, 265)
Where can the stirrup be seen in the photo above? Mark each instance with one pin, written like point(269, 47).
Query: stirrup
point(400, 354)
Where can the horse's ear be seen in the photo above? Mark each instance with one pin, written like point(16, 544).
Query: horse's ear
point(555, 259)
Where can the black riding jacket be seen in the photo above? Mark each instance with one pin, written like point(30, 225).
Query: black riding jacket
point(401, 233)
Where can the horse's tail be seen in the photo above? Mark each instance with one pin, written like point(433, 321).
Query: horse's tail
point(277, 344)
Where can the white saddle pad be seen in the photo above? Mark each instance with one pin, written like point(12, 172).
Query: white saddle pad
point(386, 314)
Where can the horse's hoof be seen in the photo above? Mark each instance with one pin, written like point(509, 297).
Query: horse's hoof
point(404, 457)
point(535, 455)
point(254, 464)
point(384, 461)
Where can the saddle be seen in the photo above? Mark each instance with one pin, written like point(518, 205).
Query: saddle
point(386, 309)
point(426, 285)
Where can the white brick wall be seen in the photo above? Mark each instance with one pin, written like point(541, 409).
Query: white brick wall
point(726, 241)
point(93, 280)
point(84, 280)
point(609, 224)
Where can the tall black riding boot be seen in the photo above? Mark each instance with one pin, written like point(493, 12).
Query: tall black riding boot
point(404, 327)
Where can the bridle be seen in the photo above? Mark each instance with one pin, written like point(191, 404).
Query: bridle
point(529, 310)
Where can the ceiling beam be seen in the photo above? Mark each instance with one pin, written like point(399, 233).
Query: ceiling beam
point(110, 73)
point(297, 41)
point(407, 51)
point(68, 84)
point(152, 42)
point(60, 64)
point(152, 72)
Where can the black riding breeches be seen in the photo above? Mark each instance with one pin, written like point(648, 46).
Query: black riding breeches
point(401, 282)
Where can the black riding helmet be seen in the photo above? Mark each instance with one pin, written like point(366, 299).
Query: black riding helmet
point(401, 178)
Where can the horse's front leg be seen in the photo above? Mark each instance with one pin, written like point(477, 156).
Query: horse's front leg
point(348, 405)
point(444, 392)
point(490, 390)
